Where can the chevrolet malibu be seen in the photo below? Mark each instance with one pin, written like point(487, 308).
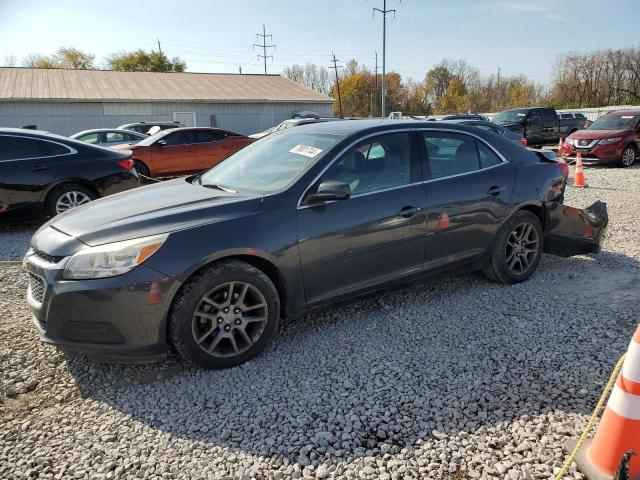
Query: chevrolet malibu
point(304, 217)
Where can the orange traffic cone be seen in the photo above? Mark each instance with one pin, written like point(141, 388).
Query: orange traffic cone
point(444, 222)
point(578, 176)
point(619, 429)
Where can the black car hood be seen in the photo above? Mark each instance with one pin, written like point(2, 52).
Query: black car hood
point(160, 208)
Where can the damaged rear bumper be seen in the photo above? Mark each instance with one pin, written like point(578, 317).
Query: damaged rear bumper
point(575, 231)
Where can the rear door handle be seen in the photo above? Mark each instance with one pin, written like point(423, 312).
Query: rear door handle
point(408, 211)
point(496, 190)
point(38, 168)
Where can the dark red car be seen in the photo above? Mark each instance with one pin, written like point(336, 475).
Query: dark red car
point(613, 138)
point(179, 151)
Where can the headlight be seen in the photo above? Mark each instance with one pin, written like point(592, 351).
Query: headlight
point(606, 141)
point(112, 259)
point(569, 141)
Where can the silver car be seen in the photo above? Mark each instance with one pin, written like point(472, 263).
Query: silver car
point(109, 137)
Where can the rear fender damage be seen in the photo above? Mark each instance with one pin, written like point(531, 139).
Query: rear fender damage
point(575, 231)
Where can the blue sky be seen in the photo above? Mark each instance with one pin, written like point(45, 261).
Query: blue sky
point(520, 36)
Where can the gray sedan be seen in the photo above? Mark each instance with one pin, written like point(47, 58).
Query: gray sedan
point(109, 137)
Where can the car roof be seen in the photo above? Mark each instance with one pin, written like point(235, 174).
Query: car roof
point(351, 127)
point(159, 122)
point(624, 112)
point(100, 130)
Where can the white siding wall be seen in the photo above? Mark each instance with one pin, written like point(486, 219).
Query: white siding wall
point(67, 118)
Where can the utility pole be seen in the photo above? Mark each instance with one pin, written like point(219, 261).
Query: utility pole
point(384, 12)
point(264, 46)
point(159, 47)
point(375, 85)
point(498, 106)
point(240, 70)
point(336, 67)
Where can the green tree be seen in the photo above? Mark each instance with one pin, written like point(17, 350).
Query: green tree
point(455, 99)
point(65, 57)
point(141, 61)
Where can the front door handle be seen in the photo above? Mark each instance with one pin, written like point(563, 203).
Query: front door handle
point(496, 190)
point(38, 168)
point(408, 211)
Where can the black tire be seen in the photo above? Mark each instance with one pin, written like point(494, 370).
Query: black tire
point(143, 170)
point(185, 319)
point(498, 268)
point(61, 191)
point(629, 152)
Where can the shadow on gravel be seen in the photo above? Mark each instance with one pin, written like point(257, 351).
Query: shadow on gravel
point(451, 356)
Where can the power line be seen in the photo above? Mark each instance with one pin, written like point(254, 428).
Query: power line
point(264, 46)
point(384, 12)
point(336, 67)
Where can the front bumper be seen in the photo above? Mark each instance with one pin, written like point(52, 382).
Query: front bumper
point(597, 154)
point(120, 318)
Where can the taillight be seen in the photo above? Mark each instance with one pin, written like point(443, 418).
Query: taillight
point(127, 164)
point(564, 168)
point(523, 141)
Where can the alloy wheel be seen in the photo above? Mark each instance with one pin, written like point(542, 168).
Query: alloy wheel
point(628, 157)
point(229, 319)
point(72, 199)
point(522, 247)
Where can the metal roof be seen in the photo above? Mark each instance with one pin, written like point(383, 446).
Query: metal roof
point(33, 84)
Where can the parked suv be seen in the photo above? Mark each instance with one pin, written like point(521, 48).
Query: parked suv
point(613, 138)
point(145, 127)
point(539, 126)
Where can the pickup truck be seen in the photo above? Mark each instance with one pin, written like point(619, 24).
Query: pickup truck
point(539, 126)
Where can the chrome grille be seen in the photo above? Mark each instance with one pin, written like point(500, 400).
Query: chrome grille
point(38, 287)
point(46, 257)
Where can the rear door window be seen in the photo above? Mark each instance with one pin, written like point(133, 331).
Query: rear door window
point(111, 137)
point(92, 138)
point(450, 153)
point(209, 137)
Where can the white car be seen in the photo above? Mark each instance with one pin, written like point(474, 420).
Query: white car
point(109, 137)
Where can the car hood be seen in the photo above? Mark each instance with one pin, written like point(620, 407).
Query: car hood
point(150, 210)
point(597, 134)
point(513, 126)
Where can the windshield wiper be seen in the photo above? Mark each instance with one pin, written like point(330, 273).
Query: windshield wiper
point(217, 186)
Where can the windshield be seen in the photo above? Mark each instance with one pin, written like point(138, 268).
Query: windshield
point(271, 163)
point(508, 116)
point(151, 139)
point(615, 122)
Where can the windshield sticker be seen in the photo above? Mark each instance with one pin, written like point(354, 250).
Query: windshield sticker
point(626, 116)
point(306, 150)
point(520, 114)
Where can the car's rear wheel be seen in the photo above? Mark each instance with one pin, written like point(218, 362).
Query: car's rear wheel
point(225, 315)
point(142, 170)
point(628, 156)
point(517, 249)
point(66, 197)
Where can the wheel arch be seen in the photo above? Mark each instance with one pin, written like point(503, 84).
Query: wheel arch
point(68, 181)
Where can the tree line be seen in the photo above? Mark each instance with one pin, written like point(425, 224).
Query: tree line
point(601, 77)
point(75, 59)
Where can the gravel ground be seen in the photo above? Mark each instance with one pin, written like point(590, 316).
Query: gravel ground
point(453, 378)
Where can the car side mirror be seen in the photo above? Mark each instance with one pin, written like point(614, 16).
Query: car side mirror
point(161, 143)
point(329, 190)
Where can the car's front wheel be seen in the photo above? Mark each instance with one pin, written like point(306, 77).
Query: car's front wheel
point(225, 315)
point(628, 156)
point(517, 249)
